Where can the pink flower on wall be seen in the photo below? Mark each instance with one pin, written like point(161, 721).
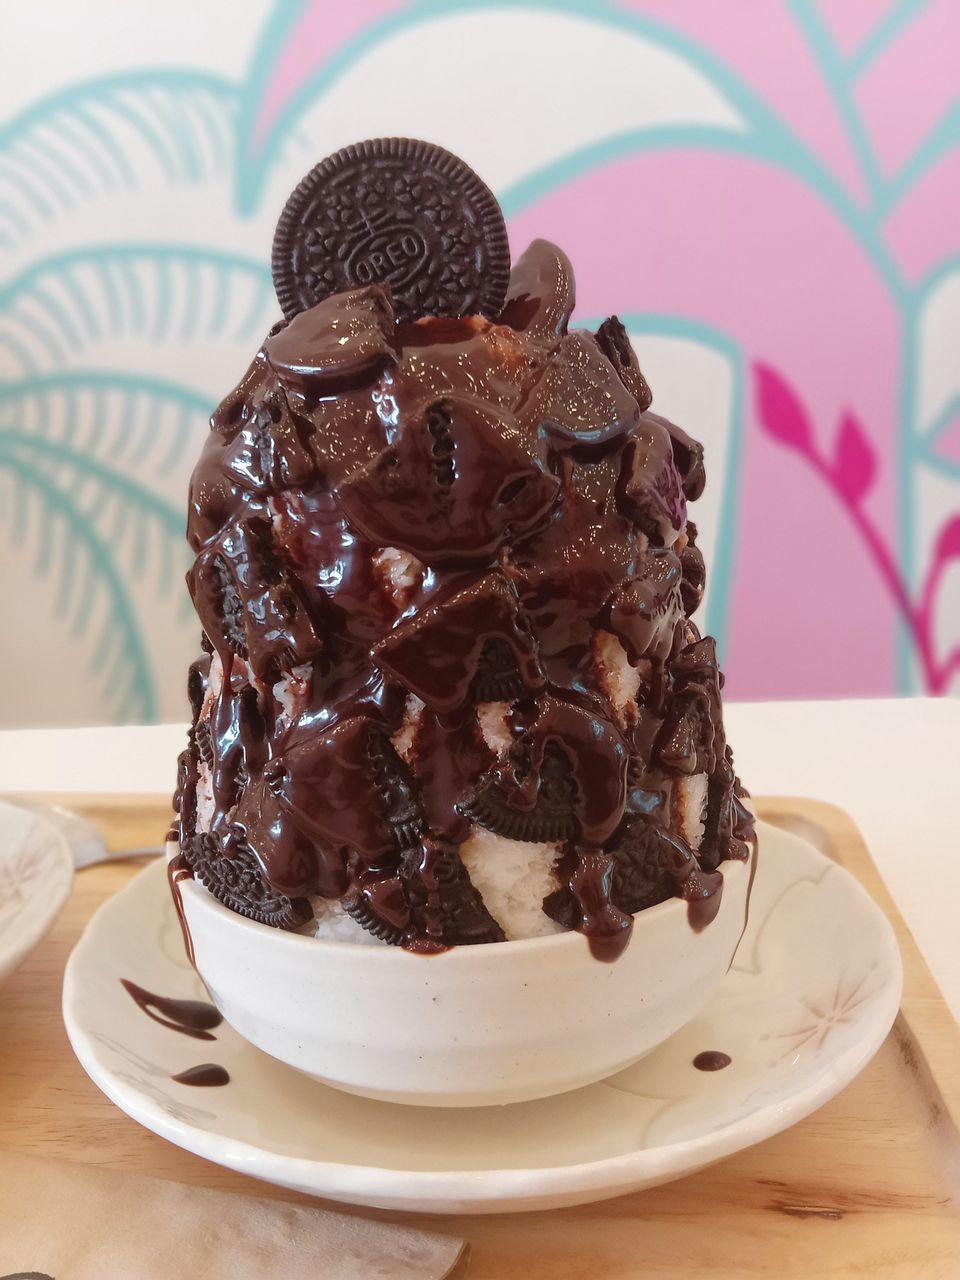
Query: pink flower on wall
point(850, 473)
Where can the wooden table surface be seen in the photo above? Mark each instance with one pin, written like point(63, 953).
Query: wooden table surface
point(867, 1186)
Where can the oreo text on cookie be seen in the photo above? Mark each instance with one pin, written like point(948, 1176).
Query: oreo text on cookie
point(397, 212)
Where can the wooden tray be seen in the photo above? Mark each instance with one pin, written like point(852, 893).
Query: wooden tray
point(868, 1186)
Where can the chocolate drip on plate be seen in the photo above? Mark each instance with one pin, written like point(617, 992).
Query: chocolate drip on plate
point(712, 1060)
point(207, 1075)
point(195, 1018)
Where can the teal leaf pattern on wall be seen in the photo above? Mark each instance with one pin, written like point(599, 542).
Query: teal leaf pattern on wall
point(112, 447)
point(112, 134)
point(71, 449)
point(62, 306)
point(90, 591)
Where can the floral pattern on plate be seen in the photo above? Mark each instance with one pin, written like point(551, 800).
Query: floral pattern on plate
point(36, 872)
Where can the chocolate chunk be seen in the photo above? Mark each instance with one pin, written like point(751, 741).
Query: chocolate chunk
point(645, 612)
point(649, 491)
point(729, 826)
point(688, 456)
point(185, 795)
point(578, 404)
point(237, 733)
point(567, 571)
point(614, 342)
point(197, 678)
point(270, 453)
point(455, 484)
point(685, 742)
point(694, 572)
point(248, 602)
point(450, 755)
point(297, 862)
point(718, 820)
point(341, 343)
point(237, 880)
point(542, 292)
point(744, 822)
point(218, 604)
point(436, 653)
point(336, 805)
point(396, 212)
point(562, 906)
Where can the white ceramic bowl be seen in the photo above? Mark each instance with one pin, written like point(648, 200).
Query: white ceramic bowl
point(472, 1026)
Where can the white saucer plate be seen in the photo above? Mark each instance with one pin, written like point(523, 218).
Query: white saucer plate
point(36, 873)
point(810, 998)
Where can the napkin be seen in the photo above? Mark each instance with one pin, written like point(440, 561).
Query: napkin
point(78, 1222)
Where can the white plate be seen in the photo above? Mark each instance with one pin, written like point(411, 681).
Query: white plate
point(811, 995)
point(36, 872)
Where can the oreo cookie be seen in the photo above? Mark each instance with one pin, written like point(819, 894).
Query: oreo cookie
point(691, 737)
point(227, 606)
point(497, 677)
point(237, 881)
point(185, 795)
point(250, 602)
point(640, 876)
point(396, 212)
point(446, 908)
point(395, 787)
point(640, 879)
point(729, 826)
point(361, 908)
point(203, 736)
point(551, 817)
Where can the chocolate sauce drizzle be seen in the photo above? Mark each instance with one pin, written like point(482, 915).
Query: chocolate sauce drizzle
point(712, 1060)
point(195, 1018)
point(426, 514)
point(179, 869)
point(207, 1075)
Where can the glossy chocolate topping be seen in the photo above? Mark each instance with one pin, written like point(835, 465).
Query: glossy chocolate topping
point(397, 521)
